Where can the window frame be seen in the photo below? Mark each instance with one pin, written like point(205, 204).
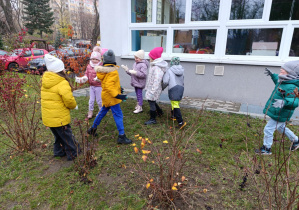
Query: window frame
point(221, 26)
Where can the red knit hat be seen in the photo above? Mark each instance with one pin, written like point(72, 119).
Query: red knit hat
point(156, 53)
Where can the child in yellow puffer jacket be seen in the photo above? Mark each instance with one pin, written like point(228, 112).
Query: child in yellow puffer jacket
point(111, 96)
point(56, 101)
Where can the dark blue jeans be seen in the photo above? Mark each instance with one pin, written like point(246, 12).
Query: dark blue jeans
point(65, 143)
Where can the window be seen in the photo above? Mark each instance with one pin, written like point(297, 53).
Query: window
point(204, 10)
point(171, 11)
point(257, 42)
point(294, 51)
point(284, 10)
point(148, 39)
point(38, 52)
point(194, 41)
point(242, 9)
point(141, 11)
point(27, 53)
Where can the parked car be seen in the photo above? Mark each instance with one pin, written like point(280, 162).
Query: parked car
point(3, 52)
point(19, 58)
point(37, 64)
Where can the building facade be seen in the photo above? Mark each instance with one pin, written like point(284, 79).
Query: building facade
point(224, 45)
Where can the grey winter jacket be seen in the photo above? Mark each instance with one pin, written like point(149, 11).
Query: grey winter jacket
point(174, 79)
point(139, 80)
point(154, 79)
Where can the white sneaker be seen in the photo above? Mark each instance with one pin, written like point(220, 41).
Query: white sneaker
point(136, 106)
point(138, 109)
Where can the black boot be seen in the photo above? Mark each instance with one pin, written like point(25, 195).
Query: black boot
point(178, 116)
point(152, 120)
point(92, 131)
point(122, 139)
point(159, 110)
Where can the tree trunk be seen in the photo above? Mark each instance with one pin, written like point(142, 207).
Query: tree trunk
point(7, 9)
point(96, 28)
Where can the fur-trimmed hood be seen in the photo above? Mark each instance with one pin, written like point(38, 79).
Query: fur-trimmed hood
point(106, 69)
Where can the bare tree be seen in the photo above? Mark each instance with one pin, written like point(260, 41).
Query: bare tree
point(64, 17)
point(96, 29)
point(7, 24)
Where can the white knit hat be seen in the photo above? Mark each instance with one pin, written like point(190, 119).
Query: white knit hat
point(53, 64)
point(95, 55)
point(139, 54)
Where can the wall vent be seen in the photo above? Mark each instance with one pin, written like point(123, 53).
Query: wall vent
point(219, 70)
point(200, 69)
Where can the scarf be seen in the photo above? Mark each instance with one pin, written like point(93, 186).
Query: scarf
point(94, 65)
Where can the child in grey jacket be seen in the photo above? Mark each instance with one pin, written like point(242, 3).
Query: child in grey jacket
point(174, 79)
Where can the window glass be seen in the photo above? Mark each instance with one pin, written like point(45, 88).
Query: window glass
point(204, 10)
point(38, 52)
point(243, 9)
point(171, 11)
point(257, 42)
point(148, 39)
point(284, 10)
point(141, 11)
point(294, 51)
point(194, 41)
point(27, 53)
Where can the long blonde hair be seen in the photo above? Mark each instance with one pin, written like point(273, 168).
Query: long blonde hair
point(66, 77)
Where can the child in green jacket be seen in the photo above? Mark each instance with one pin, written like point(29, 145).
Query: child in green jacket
point(281, 105)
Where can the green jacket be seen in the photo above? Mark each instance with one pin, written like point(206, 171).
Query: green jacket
point(284, 91)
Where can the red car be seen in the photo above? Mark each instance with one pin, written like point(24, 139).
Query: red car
point(20, 57)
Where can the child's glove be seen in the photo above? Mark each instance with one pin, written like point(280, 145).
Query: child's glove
point(121, 97)
point(133, 72)
point(121, 90)
point(268, 72)
point(76, 107)
point(81, 79)
point(92, 131)
point(96, 79)
point(125, 68)
point(278, 103)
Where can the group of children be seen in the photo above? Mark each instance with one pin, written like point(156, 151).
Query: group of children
point(102, 75)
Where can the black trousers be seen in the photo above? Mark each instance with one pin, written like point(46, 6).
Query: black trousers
point(65, 143)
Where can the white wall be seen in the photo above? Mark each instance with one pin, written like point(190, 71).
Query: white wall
point(114, 25)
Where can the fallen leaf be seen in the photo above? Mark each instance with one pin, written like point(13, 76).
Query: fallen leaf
point(175, 184)
point(133, 145)
point(200, 152)
point(142, 145)
point(137, 135)
point(205, 190)
point(183, 178)
point(151, 180)
point(153, 161)
point(174, 188)
point(140, 138)
point(146, 151)
point(144, 157)
point(166, 158)
point(148, 185)
point(136, 149)
point(165, 142)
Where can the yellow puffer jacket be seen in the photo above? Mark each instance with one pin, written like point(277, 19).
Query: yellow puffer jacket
point(56, 99)
point(109, 77)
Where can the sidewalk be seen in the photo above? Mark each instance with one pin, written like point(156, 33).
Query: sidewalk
point(206, 103)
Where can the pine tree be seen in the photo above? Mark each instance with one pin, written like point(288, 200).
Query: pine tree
point(57, 40)
point(38, 16)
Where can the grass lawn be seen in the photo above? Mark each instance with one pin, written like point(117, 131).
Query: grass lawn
point(219, 155)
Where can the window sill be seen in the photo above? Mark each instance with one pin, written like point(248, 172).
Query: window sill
point(240, 60)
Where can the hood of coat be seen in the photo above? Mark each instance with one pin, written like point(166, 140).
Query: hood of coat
point(295, 82)
point(106, 69)
point(160, 63)
point(51, 79)
point(145, 62)
point(177, 70)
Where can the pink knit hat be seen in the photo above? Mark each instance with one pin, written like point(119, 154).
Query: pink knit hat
point(95, 55)
point(103, 51)
point(156, 53)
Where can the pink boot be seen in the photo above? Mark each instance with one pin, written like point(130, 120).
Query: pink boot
point(90, 113)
